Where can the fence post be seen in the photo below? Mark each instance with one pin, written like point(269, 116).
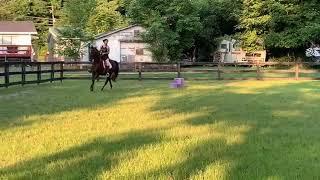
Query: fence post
point(179, 69)
point(52, 73)
point(6, 74)
point(297, 71)
point(23, 73)
point(258, 70)
point(219, 71)
point(140, 71)
point(61, 71)
point(38, 73)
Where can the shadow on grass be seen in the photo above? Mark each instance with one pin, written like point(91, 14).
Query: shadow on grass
point(17, 103)
point(83, 162)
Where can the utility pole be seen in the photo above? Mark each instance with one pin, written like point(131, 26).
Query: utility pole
point(52, 14)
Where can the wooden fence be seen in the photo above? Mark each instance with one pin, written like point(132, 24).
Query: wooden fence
point(59, 71)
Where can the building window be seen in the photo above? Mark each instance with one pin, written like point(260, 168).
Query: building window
point(6, 40)
point(257, 55)
point(132, 49)
point(131, 58)
point(139, 51)
point(124, 58)
point(224, 46)
point(126, 34)
point(136, 33)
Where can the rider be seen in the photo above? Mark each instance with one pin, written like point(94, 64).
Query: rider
point(104, 51)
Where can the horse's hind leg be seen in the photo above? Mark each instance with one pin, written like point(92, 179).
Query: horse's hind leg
point(92, 84)
point(110, 82)
point(105, 83)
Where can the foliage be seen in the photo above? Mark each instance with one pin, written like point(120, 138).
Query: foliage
point(83, 19)
point(294, 24)
point(170, 24)
point(105, 17)
point(287, 26)
point(72, 42)
point(185, 29)
point(76, 13)
point(254, 20)
point(218, 18)
point(80, 15)
point(182, 28)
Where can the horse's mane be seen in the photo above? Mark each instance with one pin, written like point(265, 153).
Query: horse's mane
point(94, 54)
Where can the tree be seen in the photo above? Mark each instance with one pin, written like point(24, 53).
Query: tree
point(76, 13)
point(83, 19)
point(294, 26)
point(71, 42)
point(283, 27)
point(254, 24)
point(182, 28)
point(218, 18)
point(106, 17)
point(171, 25)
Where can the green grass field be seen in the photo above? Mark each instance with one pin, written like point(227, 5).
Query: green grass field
point(144, 130)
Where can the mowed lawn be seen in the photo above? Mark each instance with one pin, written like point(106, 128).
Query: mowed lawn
point(144, 130)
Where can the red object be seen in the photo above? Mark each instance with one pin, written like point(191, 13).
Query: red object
point(15, 51)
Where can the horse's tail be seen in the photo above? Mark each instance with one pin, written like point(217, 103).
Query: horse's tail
point(115, 73)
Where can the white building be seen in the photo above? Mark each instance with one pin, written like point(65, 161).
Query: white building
point(229, 52)
point(125, 44)
point(16, 39)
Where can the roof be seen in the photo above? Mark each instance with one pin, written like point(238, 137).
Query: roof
point(17, 27)
point(115, 31)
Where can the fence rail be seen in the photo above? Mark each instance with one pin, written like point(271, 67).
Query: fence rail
point(59, 71)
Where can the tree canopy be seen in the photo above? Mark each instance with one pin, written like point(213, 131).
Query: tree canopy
point(286, 25)
point(180, 29)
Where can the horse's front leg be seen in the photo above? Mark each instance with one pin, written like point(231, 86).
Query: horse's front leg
point(107, 80)
point(94, 77)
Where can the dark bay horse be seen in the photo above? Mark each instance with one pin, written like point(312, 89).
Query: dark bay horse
point(98, 69)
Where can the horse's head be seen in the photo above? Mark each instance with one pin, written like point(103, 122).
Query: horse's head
point(94, 54)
